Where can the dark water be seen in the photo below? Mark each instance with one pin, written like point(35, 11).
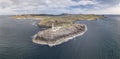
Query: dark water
point(101, 41)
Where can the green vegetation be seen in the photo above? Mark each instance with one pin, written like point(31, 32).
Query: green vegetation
point(60, 20)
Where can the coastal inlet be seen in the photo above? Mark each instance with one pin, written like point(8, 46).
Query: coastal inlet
point(57, 35)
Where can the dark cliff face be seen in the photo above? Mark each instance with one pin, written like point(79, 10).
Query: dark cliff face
point(52, 35)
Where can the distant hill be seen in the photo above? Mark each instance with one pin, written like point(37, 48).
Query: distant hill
point(58, 20)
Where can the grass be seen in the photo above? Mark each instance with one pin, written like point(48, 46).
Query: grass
point(62, 19)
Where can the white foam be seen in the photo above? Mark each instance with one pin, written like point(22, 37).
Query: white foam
point(34, 36)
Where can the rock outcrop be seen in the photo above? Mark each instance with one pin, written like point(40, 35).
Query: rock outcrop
point(59, 35)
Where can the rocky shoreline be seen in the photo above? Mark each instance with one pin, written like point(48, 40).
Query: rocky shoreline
point(63, 34)
point(64, 27)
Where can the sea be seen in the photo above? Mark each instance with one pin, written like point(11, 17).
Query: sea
point(101, 40)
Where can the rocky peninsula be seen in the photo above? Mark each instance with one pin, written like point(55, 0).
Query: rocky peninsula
point(58, 35)
point(61, 27)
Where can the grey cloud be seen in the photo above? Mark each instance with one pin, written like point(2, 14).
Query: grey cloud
point(55, 6)
point(109, 2)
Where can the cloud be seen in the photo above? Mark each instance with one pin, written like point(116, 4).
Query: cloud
point(111, 10)
point(57, 7)
point(7, 12)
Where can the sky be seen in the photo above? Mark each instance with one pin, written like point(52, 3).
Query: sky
point(10, 7)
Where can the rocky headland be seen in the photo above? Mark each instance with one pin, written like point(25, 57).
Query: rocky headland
point(61, 27)
point(59, 35)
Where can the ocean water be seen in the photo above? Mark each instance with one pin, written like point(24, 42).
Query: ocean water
point(101, 41)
